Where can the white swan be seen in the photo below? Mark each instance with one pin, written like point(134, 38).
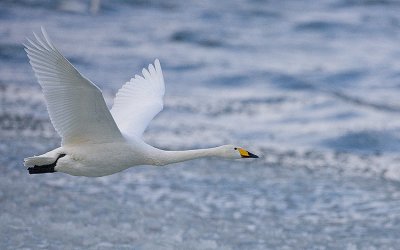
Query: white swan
point(95, 141)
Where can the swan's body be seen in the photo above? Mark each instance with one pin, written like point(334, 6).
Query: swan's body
point(96, 141)
point(108, 158)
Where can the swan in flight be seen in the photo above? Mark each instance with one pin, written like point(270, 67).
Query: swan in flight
point(97, 141)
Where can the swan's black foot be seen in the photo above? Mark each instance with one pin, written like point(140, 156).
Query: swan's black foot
point(44, 168)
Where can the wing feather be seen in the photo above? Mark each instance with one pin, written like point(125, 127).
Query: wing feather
point(76, 106)
point(139, 101)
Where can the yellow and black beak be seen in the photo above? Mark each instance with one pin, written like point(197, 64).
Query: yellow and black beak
point(246, 154)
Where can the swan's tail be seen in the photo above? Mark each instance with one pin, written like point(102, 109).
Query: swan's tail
point(41, 164)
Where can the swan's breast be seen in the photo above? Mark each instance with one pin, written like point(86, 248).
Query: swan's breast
point(98, 159)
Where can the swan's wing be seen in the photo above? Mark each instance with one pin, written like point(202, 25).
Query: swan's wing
point(76, 106)
point(139, 101)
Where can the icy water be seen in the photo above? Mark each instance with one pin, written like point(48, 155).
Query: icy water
point(311, 86)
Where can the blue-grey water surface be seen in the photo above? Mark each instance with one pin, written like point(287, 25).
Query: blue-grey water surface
point(311, 86)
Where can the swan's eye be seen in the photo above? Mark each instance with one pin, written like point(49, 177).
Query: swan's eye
point(235, 148)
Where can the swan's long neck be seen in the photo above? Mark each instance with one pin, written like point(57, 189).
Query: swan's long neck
point(168, 157)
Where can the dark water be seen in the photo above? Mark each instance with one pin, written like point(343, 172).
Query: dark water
point(311, 86)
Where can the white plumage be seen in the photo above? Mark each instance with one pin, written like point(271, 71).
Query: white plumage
point(74, 103)
point(95, 141)
point(140, 99)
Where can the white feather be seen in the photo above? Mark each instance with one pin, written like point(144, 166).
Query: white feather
point(76, 106)
point(139, 101)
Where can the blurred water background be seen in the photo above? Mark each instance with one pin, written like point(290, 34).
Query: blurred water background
point(311, 86)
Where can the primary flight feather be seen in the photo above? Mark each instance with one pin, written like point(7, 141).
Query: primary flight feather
point(95, 141)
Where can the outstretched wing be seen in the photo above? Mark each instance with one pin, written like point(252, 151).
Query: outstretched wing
point(139, 101)
point(76, 106)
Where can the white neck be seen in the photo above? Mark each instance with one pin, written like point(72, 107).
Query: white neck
point(168, 157)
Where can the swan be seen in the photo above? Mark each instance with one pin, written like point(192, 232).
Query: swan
point(96, 141)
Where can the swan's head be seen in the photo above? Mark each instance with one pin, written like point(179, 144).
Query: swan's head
point(235, 152)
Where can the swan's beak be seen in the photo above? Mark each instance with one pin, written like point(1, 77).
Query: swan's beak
point(246, 154)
